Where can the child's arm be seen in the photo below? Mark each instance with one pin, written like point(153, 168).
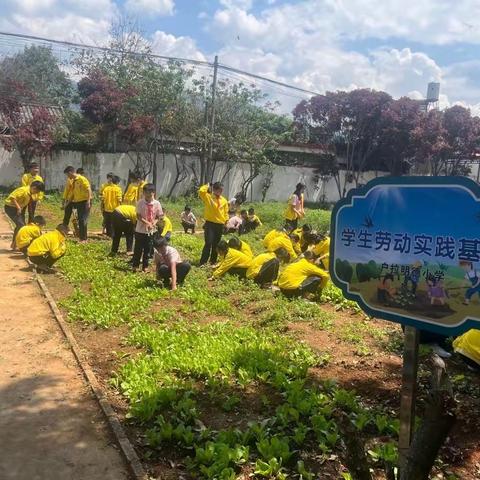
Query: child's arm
point(17, 206)
point(173, 271)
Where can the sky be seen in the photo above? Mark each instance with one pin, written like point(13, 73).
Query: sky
point(397, 46)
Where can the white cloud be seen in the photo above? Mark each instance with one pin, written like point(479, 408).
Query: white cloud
point(152, 7)
point(169, 45)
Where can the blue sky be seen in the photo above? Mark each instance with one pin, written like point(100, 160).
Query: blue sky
point(397, 46)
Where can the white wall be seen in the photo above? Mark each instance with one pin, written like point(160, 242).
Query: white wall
point(97, 165)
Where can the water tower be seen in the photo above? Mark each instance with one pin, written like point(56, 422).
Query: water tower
point(433, 94)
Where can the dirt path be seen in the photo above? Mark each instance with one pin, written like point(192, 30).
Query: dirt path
point(50, 425)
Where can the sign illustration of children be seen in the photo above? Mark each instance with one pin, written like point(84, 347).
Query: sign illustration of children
point(473, 276)
point(413, 276)
point(385, 290)
point(437, 293)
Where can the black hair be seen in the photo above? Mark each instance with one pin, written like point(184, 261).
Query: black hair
point(222, 246)
point(251, 210)
point(149, 188)
point(80, 170)
point(388, 276)
point(134, 175)
point(159, 242)
point(306, 228)
point(282, 254)
point(40, 186)
point(69, 169)
point(309, 255)
point(62, 228)
point(217, 185)
point(33, 165)
point(243, 212)
point(110, 175)
point(235, 243)
point(39, 220)
point(115, 179)
point(188, 208)
point(299, 187)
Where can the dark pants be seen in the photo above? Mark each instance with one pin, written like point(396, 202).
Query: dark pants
point(238, 272)
point(188, 226)
point(291, 224)
point(82, 213)
point(17, 218)
point(24, 250)
point(122, 226)
point(269, 272)
point(213, 234)
point(32, 206)
point(143, 245)
point(309, 285)
point(164, 273)
point(108, 223)
point(44, 260)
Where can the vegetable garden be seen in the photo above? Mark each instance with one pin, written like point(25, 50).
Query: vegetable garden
point(224, 380)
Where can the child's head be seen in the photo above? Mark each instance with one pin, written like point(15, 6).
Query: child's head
point(187, 209)
point(110, 176)
point(33, 168)
point(466, 265)
point(309, 256)
point(300, 188)
point(388, 276)
point(217, 189)
point(80, 171)
point(294, 237)
point(235, 243)
point(69, 172)
point(63, 229)
point(222, 247)
point(251, 211)
point(115, 179)
point(149, 192)
point(160, 244)
point(306, 228)
point(37, 186)
point(134, 177)
point(243, 214)
point(39, 220)
point(282, 254)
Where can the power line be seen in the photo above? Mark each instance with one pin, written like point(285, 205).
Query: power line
point(161, 57)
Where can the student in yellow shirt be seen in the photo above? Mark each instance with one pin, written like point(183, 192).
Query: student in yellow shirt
point(322, 251)
point(17, 201)
point(271, 235)
point(232, 261)
point(215, 215)
point(305, 234)
point(241, 246)
point(164, 230)
point(100, 193)
point(265, 267)
point(28, 233)
point(468, 347)
point(253, 222)
point(80, 199)
point(295, 208)
point(111, 199)
point(302, 277)
point(124, 220)
point(27, 178)
point(130, 195)
point(45, 250)
point(286, 241)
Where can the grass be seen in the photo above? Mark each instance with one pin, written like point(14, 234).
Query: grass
point(219, 382)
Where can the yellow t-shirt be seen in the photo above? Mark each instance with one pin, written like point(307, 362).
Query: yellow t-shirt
point(257, 264)
point(167, 226)
point(284, 241)
point(270, 236)
point(22, 196)
point(27, 234)
point(53, 243)
point(322, 250)
point(245, 248)
point(80, 189)
point(67, 191)
point(294, 202)
point(294, 274)
point(139, 192)
point(130, 197)
point(111, 197)
point(128, 211)
point(468, 345)
point(216, 209)
point(233, 258)
point(254, 219)
point(27, 179)
point(102, 187)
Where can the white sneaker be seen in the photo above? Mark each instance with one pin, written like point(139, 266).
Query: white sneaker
point(440, 351)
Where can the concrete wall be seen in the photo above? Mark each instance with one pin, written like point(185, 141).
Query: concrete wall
point(97, 165)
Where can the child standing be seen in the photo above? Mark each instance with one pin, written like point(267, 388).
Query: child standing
point(149, 211)
point(189, 221)
point(111, 199)
point(27, 234)
point(27, 179)
point(472, 276)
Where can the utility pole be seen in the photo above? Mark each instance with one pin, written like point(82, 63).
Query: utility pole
point(212, 118)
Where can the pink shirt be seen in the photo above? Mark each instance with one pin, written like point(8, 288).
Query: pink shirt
point(169, 256)
point(234, 222)
point(151, 211)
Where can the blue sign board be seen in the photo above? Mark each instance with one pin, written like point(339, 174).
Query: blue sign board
point(407, 249)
